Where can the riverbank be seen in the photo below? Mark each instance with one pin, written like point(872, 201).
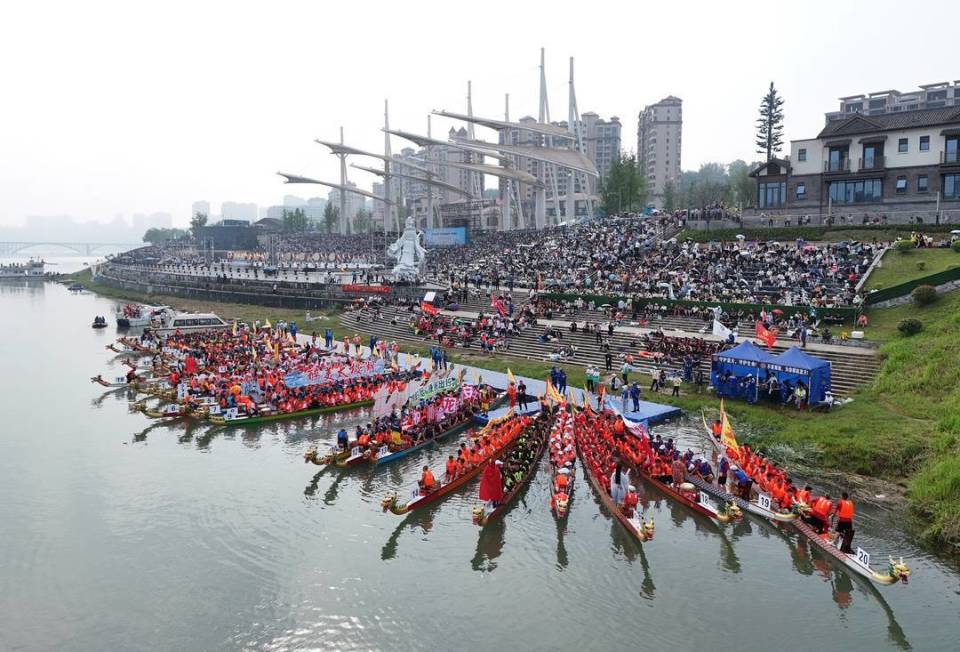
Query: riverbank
point(903, 428)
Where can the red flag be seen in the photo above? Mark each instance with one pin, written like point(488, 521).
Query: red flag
point(768, 337)
point(428, 309)
point(497, 303)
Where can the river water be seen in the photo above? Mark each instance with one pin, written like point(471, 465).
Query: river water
point(119, 533)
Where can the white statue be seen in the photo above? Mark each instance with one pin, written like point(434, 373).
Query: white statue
point(408, 252)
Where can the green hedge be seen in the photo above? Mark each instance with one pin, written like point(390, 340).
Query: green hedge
point(847, 313)
point(907, 287)
point(805, 232)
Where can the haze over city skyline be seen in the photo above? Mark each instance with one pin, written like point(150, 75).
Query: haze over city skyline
point(111, 109)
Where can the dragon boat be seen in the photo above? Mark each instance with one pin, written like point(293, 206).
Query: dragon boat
point(420, 499)
point(480, 516)
point(231, 419)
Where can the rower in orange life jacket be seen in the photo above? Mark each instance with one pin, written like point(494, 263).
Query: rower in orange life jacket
point(451, 466)
point(845, 521)
point(821, 512)
point(716, 429)
point(426, 480)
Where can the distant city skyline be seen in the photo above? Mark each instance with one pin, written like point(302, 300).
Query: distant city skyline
point(104, 117)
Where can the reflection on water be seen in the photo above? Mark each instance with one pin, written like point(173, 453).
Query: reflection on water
point(201, 537)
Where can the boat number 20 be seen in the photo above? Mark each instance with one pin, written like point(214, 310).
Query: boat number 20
point(863, 557)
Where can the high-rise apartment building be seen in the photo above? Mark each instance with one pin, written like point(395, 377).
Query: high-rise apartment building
point(659, 132)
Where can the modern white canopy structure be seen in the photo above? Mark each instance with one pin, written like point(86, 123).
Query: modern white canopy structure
point(293, 178)
point(430, 181)
point(544, 156)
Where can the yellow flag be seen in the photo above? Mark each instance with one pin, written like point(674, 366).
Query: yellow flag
point(727, 437)
point(267, 324)
point(234, 327)
point(276, 351)
point(510, 377)
point(254, 351)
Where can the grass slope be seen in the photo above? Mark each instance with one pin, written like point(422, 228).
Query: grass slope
point(899, 268)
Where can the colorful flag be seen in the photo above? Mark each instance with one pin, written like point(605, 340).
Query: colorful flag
point(428, 309)
point(510, 377)
point(768, 337)
point(727, 438)
point(234, 328)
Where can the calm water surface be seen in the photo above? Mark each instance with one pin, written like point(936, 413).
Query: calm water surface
point(119, 533)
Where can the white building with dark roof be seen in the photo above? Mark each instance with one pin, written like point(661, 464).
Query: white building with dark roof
point(901, 164)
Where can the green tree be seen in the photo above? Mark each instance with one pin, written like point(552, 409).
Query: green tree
point(156, 236)
point(671, 196)
point(294, 221)
point(743, 187)
point(625, 188)
point(331, 215)
point(770, 124)
point(362, 222)
point(197, 221)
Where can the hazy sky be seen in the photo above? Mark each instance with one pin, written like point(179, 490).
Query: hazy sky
point(123, 107)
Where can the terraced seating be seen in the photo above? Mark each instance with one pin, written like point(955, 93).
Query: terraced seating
point(851, 368)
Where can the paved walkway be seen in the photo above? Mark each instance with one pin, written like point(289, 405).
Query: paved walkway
point(640, 330)
point(648, 413)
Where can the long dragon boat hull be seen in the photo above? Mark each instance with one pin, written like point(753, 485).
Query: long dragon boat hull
point(745, 505)
point(637, 528)
point(560, 513)
point(422, 500)
point(397, 455)
point(896, 572)
point(698, 507)
point(483, 519)
point(219, 420)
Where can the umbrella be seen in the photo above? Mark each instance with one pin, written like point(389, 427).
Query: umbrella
point(740, 236)
point(777, 311)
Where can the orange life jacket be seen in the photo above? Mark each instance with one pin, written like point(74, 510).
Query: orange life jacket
point(427, 479)
point(845, 510)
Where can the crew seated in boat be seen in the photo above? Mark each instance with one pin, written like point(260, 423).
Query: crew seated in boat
point(716, 429)
point(427, 483)
point(630, 501)
point(704, 470)
point(451, 470)
point(819, 515)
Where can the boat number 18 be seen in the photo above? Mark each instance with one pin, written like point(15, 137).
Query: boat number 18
point(863, 557)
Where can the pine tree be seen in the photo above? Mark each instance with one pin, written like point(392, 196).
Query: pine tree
point(770, 124)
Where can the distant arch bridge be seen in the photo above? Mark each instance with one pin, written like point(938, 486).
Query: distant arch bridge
point(79, 248)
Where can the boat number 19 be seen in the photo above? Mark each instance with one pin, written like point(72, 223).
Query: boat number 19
point(863, 557)
point(763, 500)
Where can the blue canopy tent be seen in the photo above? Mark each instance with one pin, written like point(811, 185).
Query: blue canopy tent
point(794, 365)
point(736, 372)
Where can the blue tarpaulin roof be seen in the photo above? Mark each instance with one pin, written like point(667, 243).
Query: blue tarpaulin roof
point(794, 357)
point(747, 355)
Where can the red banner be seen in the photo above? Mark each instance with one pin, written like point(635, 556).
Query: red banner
point(428, 309)
point(368, 289)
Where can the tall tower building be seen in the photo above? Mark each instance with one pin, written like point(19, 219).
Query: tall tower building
point(659, 132)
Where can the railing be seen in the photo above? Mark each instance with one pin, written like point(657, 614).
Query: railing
point(950, 157)
point(843, 165)
point(875, 163)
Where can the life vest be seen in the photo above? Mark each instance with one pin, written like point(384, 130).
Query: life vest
point(562, 481)
point(427, 479)
point(630, 500)
point(716, 430)
point(451, 467)
point(845, 510)
point(822, 507)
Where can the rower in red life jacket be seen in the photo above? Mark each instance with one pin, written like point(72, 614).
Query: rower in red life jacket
point(630, 502)
point(451, 467)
